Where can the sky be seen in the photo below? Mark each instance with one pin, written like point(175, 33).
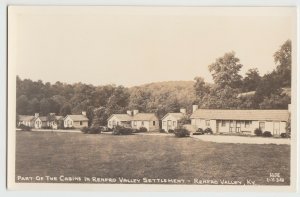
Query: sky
point(136, 45)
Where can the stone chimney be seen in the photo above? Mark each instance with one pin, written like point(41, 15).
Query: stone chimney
point(129, 112)
point(83, 113)
point(182, 110)
point(36, 115)
point(195, 107)
point(135, 112)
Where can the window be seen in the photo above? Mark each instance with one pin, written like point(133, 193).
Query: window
point(80, 122)
point(164, 123)
point(153, 123)
point(248, 123)
point(142, 123)
point(223, 123)
point(207, 123)
point(174, 123)
point(109, 123)
point(134, 123)
point(114, 122)
point(262, 125)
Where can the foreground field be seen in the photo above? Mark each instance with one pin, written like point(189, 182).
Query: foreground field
point(138, 156)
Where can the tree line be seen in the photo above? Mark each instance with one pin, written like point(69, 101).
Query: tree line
point(270, 91)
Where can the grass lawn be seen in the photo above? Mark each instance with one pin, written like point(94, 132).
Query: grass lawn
point(138, 156)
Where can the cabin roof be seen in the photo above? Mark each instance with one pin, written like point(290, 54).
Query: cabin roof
point(216, 114)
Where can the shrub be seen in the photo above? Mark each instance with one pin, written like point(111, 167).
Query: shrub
point(104, 129)
point(25, 128)
point(162, 131)
point(142, 130)
point(119, 130)
point(199, 132)
point(94, 130)
point(258, 132)
point(69, 128)
point(170, 131)
point(181, 132)
point(284, 135)
point(84, 129)
point(208, 131)
point(91, 130)
point(267, 134)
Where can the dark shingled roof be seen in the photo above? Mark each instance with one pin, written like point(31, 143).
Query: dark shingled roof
point(216, 114)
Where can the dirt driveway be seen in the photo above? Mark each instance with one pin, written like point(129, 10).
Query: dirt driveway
point(242, 139)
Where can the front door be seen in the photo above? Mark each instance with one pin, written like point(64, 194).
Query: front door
point(169, 125)
point(232, 126)
point(238, 126)
point(276, 130)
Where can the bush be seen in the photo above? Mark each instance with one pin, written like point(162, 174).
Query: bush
point(104, 129)
point(94, 130)
point(142, 130)
point(208, 131)
point(25, 128)
point(181, 132)
point(91, 130)
point(84, 129)
point(170, 131)
point(119, 130)
point(267, 134)
point(284, 135)
point(199, 132)
point(258, 132)
point(162, 131)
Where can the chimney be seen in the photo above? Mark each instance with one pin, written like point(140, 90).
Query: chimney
point(36, 115)
point(83, 113)
point(182, 110)
point(289, 108)
point(195, 107)
point(129, 112)
point(135, 112)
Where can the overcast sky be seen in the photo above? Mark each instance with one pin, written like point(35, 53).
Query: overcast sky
point(136, 45)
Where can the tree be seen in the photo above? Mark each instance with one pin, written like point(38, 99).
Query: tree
point(252, 80)
point(45, 106)
point(99, 117)
point(201, 88)
point(283, 60)
point(276, 100)
point(66, 109)
point(225, 71)
point(22, 105)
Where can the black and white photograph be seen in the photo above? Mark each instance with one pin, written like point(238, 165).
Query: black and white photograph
point(152, 96)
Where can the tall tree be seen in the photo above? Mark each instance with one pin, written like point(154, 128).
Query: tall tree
point(251, 80)
point(283, 60)
point(225, 71)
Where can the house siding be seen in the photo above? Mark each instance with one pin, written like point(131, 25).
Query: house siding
point(114, 121)
point(244, 126)
point(169, 122)
point(137, 124)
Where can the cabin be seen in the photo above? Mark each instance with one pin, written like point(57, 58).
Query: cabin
point(147, 120)
point(119, 120)
point(135, 120)
point(31, 121)
point(171, 120)
point(76, 121)
point(240, 121)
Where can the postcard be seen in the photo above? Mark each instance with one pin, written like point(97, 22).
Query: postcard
point(152, 98)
